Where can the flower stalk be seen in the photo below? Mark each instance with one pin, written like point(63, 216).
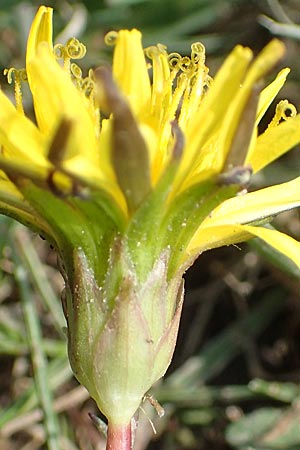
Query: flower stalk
point(119, 437)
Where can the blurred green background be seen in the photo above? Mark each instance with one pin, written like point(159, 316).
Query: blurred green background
point(234, 380)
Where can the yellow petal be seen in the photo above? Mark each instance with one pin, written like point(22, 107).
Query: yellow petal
point(265, 61)
point(25, 169)
point(88, 174)
point(274, 142)
point(280, 241)
point(223, 225)
point(210, 136)
point(162, 81)
point(19, 137)
point(218, 236)
point(265, 99)
point(13, 204)
point(55, 97)
point(261, 65)
point(8, 190)
point(207, 238)
point(269, 93)
point(256, 205)
point(40, 31)
point(130, 70)
point(199, 154)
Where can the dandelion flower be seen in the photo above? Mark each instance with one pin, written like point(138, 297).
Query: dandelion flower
point(131, 177)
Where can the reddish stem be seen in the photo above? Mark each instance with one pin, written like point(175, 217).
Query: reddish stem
point(119, 437)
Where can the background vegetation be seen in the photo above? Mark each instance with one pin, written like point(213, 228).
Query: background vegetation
point(234, 382)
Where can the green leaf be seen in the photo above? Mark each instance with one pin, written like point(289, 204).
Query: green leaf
point(266, 429)
point(284, 392)
point(250, 428)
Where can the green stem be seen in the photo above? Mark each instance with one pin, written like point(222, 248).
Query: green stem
point(119, 437)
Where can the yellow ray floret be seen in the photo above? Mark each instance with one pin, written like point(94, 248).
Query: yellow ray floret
point(217, 120)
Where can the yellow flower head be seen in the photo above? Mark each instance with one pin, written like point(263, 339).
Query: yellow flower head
point(131, 173)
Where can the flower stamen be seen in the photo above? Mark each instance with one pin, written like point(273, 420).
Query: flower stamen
point(74, 49)
point(16, 76)
point(284, 110)
point(179, 84)
point(110, 38)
